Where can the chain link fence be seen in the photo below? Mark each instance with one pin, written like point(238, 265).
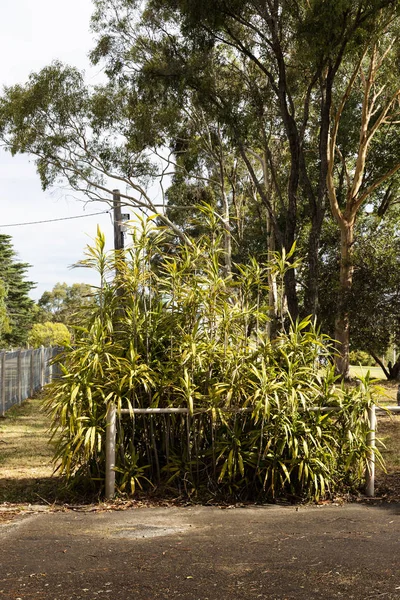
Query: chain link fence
point(24, 372)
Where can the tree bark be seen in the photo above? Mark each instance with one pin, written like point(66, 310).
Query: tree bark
point(311, 294)
point(342, 323)
point(382, 366)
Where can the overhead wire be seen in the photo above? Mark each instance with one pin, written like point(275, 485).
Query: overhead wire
point(103, 212)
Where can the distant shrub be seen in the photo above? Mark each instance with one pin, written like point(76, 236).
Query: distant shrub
point(358, 357)
point(49, 334)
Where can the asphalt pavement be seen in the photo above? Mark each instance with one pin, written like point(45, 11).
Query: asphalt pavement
point(203, 553)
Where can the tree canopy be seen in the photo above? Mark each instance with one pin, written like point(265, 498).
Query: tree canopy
point(276, 112)
point(66, 303)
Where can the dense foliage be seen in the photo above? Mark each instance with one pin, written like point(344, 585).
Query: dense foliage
point(277, 113)
point(171, 330)
point(49, 334)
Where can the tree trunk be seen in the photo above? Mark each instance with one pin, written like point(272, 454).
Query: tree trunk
point(386, 371)
point(342, 324)
point(272, 288)
point(311, 294)
point(227, 238)
point(291, 294)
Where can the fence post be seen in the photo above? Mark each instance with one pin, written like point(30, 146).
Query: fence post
point(19, 376)
point(3, 384)
point(110, 451)
point(50, 367)
point(42, 367)
point(370, 471)
point(31, 376)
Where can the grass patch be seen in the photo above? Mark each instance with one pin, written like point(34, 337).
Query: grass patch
point(388, 431)
point(26, 470)
point(359, 371)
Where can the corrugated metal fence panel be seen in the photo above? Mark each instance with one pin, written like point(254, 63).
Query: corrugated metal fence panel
point(24, 373)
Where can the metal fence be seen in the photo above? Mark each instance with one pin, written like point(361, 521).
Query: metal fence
point(24, 372)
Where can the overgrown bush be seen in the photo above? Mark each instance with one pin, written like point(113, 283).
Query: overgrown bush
point(171, 331)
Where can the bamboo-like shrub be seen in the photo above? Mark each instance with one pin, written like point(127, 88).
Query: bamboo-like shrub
point(171, 330)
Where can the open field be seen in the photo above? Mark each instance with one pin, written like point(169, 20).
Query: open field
point(375, 372)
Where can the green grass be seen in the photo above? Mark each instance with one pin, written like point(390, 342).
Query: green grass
point(26, 470)
point(358, 371)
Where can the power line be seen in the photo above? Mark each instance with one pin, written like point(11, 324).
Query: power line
point(103, 212)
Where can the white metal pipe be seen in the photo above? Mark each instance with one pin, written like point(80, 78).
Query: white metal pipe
point(370, 471)
point(184, 411)
point(110, 451)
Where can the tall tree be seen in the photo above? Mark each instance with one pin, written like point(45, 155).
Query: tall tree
point(4, 320)
point(65, 304)
point(265, 73)
point(375, 93)
point(268, 69)
point(373, 303)
point(19, 307)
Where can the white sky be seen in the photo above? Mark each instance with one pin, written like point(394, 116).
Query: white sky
point(32, 34)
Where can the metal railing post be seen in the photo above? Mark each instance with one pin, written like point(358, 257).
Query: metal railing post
point(110, 451)
point(370, 471)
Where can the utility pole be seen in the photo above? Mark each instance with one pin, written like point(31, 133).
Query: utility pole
point(111, 410)
point(118, 232)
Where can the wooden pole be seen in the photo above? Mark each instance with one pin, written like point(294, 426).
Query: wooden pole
point(110, 451)
point(370, 471)
point(118, 233)
point(3, 384)
point(111, 412)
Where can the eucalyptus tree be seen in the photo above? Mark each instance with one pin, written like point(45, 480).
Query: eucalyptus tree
point(93, 139)
point(269, 75)
point(364, 160)
point(66, 303)
point(269, 71)
point(373, 303)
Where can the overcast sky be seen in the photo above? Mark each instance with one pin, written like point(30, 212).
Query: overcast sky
point(32, 35)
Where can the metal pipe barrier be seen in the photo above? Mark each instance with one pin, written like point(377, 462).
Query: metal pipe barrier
point(111, 436)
